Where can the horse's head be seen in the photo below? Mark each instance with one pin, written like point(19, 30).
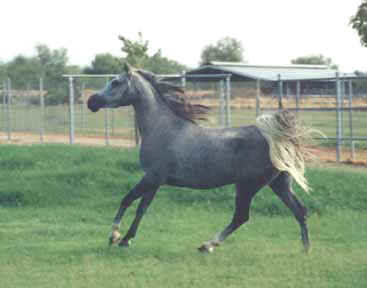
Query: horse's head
point(117, 92)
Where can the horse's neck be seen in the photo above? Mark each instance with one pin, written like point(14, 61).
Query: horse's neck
point(151, 113)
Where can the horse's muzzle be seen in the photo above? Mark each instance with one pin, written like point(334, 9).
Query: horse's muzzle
point(95, 102)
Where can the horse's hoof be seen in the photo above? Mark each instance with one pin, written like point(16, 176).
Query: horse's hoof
point(206, 248)
point(114, 238)
point(307, 249)
point(125, 243)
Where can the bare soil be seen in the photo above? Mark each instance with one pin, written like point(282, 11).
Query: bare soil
point(323, 154)
point(31, 138)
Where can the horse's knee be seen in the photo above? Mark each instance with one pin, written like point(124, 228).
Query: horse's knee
point(238, 221)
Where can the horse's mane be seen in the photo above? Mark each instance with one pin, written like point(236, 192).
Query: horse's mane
point(174, 97)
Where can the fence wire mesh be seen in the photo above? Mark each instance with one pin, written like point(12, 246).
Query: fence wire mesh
point(337, 108)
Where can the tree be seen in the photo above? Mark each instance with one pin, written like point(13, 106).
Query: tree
point(2, 70)
point(104, 63)
point(52, 65)
point(359, 22)
point(25, 72)
point(226, 49)
point(159, 64)
point(137, 56)
point(315, 60)
point(136, 51)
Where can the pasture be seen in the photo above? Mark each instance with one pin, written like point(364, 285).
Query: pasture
point(57, 203)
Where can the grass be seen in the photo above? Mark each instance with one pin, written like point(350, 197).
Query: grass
point(57, 203)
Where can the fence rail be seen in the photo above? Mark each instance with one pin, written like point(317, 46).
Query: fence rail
point(335, 111)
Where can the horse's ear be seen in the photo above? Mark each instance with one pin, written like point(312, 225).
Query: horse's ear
point(127, 68)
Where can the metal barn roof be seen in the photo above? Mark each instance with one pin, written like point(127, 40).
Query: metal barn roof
point(243, 71)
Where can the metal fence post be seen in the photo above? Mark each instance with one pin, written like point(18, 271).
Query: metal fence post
point(350, 104)
point(342, 94)
point(298, 94)
point(112, 122)
point(8, 109)
point(71, 110)
point(106, 124)
point(42, 106)
point(221, 103)
point(280, 92)
point(4, 105)
point(338, 117)
point(257, 97)
point(183, 79)
point(228, 101)
point(82, 110)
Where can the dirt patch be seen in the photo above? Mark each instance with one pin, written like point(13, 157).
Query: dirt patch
point(328, 155)
point(31, 138)
point(323, 154)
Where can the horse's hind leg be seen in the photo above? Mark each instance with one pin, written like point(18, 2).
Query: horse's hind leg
point(282, 186)
point(245, 191)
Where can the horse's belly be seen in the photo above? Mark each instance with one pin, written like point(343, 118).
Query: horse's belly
point(203, 176)
point(198, 184)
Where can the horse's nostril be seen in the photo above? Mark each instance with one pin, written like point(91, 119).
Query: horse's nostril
point(95, 102)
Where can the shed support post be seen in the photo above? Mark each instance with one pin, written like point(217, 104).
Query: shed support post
point(280, 92)
point(298, 94)
point(258, 97)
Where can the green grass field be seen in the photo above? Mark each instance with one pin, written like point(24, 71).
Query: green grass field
point(57, 203)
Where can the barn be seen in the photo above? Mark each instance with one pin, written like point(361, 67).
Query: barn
point(312, 78)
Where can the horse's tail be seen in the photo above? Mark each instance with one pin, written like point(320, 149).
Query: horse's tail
point(287, 138)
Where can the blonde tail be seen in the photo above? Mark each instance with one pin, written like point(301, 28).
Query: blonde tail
point(287, 138)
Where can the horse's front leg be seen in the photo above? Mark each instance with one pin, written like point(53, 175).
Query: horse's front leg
point(143, 206)
point(146, 188)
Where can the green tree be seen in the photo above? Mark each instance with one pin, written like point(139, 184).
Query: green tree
point(2, 70)
point(315, 60)
point(136, 51)
point(23, 71)
point(359, 22)
point(227, 49)
point(52, 63)
point(137, 56)
point(104, 63)
point(159, 64)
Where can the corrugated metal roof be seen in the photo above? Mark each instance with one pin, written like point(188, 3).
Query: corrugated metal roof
point(268, 73)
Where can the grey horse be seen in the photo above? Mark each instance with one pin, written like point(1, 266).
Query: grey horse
point(176, 151)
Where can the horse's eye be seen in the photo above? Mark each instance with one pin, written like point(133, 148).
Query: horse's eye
point(114, 83)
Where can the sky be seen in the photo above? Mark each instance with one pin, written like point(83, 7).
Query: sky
point(272, 32)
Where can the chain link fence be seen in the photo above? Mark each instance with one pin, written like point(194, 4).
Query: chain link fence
point(26, 119)
point(336, 107)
